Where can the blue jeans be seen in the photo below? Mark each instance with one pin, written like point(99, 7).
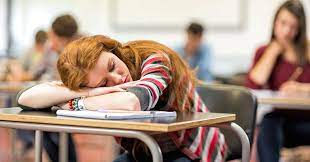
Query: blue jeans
point(279, 130)
point(50, 144)
point(176, 156)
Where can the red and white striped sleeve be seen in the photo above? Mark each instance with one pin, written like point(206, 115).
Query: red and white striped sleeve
point(155, 77)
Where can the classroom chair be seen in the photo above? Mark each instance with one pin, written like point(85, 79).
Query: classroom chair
point(231, 99)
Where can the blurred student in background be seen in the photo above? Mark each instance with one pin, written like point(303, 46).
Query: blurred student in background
point(32, 61)
point(30, 66)
point(14, 71)
point(64, 30)
point(197, 53)
point(283, 64)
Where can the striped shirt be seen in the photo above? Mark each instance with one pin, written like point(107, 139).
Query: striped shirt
point(205, 143)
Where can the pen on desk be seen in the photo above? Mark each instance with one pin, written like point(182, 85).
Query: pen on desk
point(295, 74)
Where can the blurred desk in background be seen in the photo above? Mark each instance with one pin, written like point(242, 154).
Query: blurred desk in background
point(273, 100)
point(280, 101)
point(9, 90)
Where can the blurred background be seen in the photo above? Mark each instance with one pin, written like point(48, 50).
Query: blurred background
point(233, 30)
point(234, 27)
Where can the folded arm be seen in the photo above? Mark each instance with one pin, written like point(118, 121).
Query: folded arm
point(46, 95)
point(52, 93)
point(111, 101)
point(263, 66)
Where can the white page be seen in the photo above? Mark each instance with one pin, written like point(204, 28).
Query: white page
point(109, 115)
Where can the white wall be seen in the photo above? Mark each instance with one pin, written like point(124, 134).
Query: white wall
point(233, 50)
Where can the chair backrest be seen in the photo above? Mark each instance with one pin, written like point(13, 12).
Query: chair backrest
point(231, 99)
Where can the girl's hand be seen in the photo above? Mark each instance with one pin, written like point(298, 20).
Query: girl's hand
point(276, 47)
point(101, 90)
point(64, 106)
point(127, 85)
point(286, 44)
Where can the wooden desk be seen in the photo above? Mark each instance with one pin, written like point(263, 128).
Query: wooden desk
point(279, 101)
point(140, 129)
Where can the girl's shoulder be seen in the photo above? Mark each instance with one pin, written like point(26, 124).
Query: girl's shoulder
point(158, 57)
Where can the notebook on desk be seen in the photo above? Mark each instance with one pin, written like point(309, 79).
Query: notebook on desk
point(116, 114)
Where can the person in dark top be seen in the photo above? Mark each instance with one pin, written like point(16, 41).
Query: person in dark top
point(283, 65)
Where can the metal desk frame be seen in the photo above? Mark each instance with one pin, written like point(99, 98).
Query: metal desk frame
point(143, 136)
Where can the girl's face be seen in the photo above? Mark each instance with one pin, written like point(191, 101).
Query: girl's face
point(286, 26)
point(108, 71)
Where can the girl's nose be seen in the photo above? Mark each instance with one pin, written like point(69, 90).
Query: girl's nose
point(116, 79)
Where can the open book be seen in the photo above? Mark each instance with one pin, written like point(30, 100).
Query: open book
point(116, 114)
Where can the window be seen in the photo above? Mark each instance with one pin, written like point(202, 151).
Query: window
point(3, 27)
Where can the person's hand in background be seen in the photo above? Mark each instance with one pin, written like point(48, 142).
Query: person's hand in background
point(293, 88)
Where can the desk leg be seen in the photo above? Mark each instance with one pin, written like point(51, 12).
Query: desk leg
point(144, 137)
point(63, 150)
point(243, 137)
point(38, 146)
point(13, 145)
point(147, 139)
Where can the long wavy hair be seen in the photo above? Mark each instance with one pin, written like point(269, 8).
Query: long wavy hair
point(80, 56)
point(296, 8)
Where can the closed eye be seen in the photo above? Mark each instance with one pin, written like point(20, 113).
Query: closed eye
point(102, 83)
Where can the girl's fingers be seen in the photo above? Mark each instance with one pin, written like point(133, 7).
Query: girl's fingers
point(104, 90)
point(127, 85)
